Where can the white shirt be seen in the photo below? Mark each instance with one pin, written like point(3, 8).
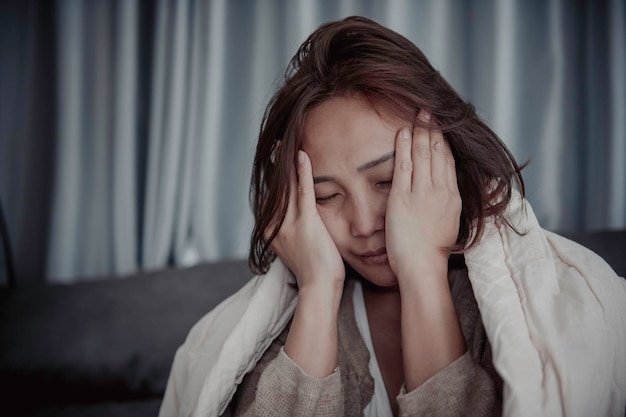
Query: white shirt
point(379, 406)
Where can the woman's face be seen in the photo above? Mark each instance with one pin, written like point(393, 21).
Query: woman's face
point(351, 147)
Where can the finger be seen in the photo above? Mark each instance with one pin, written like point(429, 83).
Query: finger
point(306, 191)
point(421, 152)
point(453, 184)
point(403, 165)
point(292, 205)
point(439, 163)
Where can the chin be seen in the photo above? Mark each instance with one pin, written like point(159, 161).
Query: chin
point(378, 275)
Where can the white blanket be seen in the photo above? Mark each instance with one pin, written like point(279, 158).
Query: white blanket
point(554, 313)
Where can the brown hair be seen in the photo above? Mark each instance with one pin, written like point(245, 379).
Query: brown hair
point(357, 56)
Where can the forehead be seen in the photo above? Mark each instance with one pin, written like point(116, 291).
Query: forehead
point(349, 130)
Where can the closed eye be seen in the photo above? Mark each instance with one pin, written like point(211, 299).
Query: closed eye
point(323, 200)
point(384, 184)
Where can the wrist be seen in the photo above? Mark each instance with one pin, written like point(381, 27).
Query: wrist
point(312, 339)
point(423, 269)
point(322, 296)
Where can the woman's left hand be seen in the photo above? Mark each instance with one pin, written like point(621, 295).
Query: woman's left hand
point(424, 206)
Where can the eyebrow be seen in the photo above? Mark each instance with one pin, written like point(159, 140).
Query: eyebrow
point(364, 167)
point(376, 161)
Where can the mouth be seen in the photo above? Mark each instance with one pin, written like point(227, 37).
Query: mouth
point(374, 257)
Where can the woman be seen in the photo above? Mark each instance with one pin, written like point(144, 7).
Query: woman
point(373, 198)
point(371, 177)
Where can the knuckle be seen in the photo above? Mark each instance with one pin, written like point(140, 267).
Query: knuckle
point(423, 150)
point(302, 190)
point(406, 165)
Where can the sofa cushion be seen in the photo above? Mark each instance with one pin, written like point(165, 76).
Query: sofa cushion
point(107, 340)
point(145, 408)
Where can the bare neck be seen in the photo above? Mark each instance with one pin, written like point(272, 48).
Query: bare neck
point(382, 304)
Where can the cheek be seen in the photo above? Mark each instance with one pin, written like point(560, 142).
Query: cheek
point(336, 226)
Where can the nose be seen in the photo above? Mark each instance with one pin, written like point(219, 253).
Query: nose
point(367, 216)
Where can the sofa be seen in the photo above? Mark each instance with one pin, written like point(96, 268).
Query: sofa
point(105, 347)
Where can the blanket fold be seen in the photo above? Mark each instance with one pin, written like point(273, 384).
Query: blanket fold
point(553, 311)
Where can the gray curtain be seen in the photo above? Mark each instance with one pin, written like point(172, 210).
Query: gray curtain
point(158, 105)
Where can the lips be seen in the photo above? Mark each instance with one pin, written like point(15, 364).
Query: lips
point(376, 252)
point(373, 257)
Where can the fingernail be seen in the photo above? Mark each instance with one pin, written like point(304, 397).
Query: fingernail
point(300, 157)
point(405, 134)
point(426, 114)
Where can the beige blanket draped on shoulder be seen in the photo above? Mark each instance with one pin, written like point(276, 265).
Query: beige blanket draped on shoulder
point(554, 313)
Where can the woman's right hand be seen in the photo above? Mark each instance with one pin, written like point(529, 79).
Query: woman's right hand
point(303, 242)
point(305, 246)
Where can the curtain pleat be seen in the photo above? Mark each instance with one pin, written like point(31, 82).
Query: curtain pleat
point(184, 249)
point(551, 122)
point(124, 122)
point(95, 163)
point(65, 240)
point(208, 159)
point(617, 97)
point(166, 135)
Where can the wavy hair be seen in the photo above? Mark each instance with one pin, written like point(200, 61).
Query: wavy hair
point(357, 56)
